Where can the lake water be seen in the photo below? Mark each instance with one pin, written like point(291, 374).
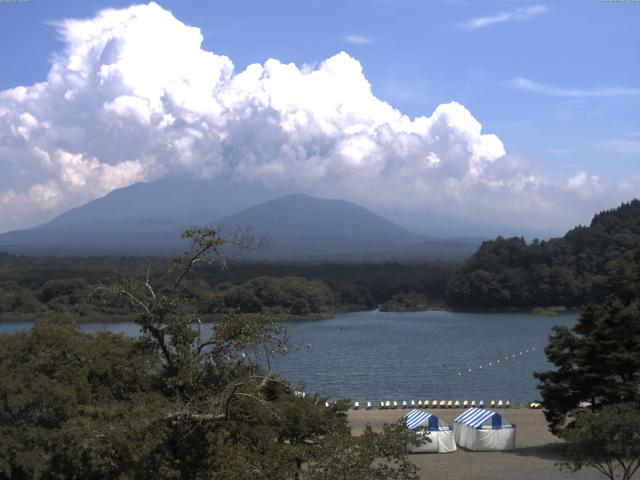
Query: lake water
point(403, 356)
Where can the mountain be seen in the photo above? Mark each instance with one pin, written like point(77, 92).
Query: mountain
point(570, 270)
point(149, 218)
point(300, 227)
point(144, 218)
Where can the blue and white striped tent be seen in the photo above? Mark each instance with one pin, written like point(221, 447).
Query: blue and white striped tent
point(475, 417)
point(419, 418)
point(484, 430)
point(440, 433)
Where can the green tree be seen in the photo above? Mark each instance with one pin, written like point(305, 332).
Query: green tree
point(598, 360)
point(607, 440)
point(179, 402)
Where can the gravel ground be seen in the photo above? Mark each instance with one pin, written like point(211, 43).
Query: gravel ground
point(534, 458)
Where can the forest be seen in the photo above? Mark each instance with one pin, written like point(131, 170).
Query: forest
point(568, 271)
point(35, 286)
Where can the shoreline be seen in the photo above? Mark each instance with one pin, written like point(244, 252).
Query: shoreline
point(534, 457)
point(212, 318)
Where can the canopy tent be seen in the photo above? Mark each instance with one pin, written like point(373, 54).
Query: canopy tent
point(439, 433)
point(484, 430)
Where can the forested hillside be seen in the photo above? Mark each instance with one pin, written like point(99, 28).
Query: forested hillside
point(569, 271)
point(33, 287)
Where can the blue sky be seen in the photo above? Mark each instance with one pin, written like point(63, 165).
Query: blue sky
point(557, 82)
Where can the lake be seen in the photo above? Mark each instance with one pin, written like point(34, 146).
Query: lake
point(403, 356)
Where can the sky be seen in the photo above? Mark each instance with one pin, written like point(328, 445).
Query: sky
point(514, 113)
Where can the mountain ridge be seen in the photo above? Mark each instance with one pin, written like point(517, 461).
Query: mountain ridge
point(149, 218)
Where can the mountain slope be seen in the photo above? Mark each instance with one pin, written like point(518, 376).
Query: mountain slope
point(140, 219)
point(302, 227)
point(147, 219)
point(569, 271)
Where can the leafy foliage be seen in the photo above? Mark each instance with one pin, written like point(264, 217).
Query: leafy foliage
point(406, 302)
point(598, 360)
point(607, 440)
point(285, 295)
point(568, 271)
point(35, 286)
point(176, 403)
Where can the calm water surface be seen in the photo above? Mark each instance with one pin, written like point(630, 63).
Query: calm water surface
point(424, 355)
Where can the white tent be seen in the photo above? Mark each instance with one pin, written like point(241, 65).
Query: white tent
point(427, 424)
point(484, 430)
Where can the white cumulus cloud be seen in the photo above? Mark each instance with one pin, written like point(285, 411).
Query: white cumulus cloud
point(133, 96)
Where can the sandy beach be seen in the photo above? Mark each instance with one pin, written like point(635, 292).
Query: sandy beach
point(534, 458)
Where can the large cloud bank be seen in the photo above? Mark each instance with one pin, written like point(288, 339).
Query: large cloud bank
point(133, 97)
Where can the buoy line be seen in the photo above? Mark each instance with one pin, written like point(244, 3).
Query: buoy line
point(496, 363)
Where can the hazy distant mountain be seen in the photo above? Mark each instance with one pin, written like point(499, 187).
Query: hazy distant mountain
point(144, 218)
point(299, 226)
point(148, 219)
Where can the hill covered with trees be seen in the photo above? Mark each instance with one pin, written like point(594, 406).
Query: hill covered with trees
point(570, 271)
point(36, 287)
